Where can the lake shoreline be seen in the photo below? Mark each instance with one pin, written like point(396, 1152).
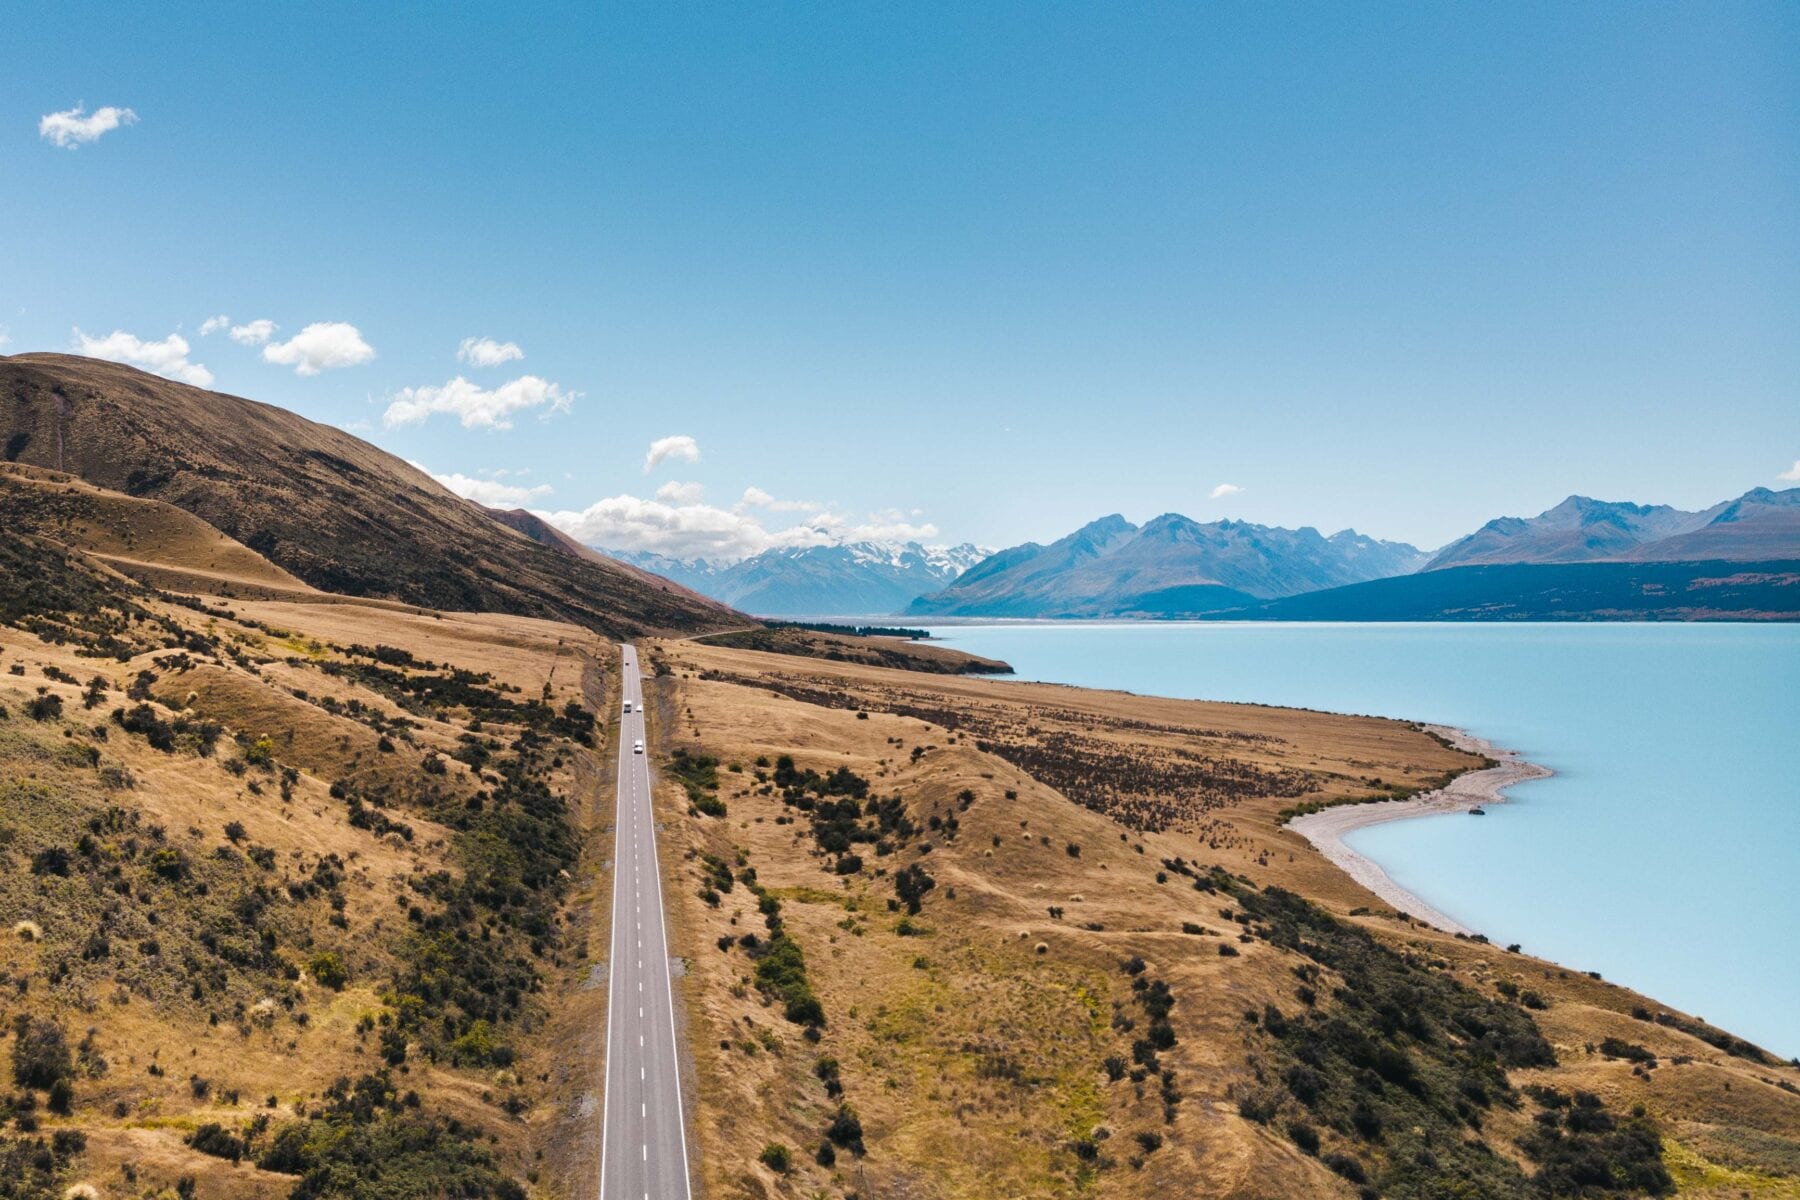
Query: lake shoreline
point(1327, 828)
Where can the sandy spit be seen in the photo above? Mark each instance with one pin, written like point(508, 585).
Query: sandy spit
point(1326, 829)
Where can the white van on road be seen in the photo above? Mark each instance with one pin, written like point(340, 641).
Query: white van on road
point(637, 747)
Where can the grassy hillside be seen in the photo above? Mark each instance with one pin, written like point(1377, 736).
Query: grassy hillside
point(902, 654)
point(291, 909)
point(320, 504)
point(304, 895)
point(960, 938)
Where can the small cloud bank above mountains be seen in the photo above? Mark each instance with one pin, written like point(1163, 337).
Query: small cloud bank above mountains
point(478, 407)
point(168, 357)
point(75, 127)
point(321, 346)
point(492, 492)
point(486, 352)
point(677, 525)
point(755, 497)
point(257, 333)
point(675, 448)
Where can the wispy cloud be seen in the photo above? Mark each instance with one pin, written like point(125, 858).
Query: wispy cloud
point(168, 357)
point(1223, 490)
point(755, 497)
point(75, 127)
point(490, 492)
point(676, 528)
point(212, 325)
point(486, 352)
point(678, 447)
point(321, 346)
point(1792, 474)
point(259, 331)
point(475, 406)
point(681, 493)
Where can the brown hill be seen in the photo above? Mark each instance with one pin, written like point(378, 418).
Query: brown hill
point(321, 504)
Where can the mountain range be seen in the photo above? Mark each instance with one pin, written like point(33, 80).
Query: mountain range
point(1510, 568)
point(849, 579)
point(1170, 566)
point(1759, 525)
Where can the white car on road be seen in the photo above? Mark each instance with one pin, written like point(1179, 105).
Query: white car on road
point(637, 747)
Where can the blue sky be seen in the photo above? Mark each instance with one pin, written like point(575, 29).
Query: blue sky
point(985, 271)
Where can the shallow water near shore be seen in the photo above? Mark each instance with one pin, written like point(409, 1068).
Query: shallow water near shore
point(1665, 851)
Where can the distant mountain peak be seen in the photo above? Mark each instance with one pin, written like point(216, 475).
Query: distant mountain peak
point(862, 578)
point(1171, 565)
point(1760, 524)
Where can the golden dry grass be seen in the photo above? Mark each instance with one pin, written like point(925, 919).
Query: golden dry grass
point(974, 1060)
point(135, 1120)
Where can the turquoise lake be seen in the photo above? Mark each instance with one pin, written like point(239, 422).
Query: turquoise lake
point(1665, 851)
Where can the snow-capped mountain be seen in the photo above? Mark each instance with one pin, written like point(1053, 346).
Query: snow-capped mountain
point(849, 579)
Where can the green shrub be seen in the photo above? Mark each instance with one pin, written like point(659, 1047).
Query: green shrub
point(845, 1130)
point(216, 1140)
point(365, 1140)
point(329, 970)
point(41, 1053)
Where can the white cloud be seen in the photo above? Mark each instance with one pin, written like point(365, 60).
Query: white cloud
point(486, 352)
point(889, 525)
point(168, 358)
point(679, 446)
point(680, 493)
point(691, 530)
point(475, 406)
point(212, 325)
point(1792, 474)
point(259, 331)
point(75, 127)
point(490, 492)
point(755, 497)
point(1224, 490)
point(319, 347)
point(683, 531)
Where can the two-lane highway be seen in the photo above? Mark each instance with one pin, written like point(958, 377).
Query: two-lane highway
point(643, 1136)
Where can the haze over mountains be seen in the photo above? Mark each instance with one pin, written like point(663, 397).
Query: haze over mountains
point(848, 579)
point(1511, 568)
point(1173, 567)
point(1169, 566)
point(1759, 525)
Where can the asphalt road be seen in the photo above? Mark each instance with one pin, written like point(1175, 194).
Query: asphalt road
point(643, 1149)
